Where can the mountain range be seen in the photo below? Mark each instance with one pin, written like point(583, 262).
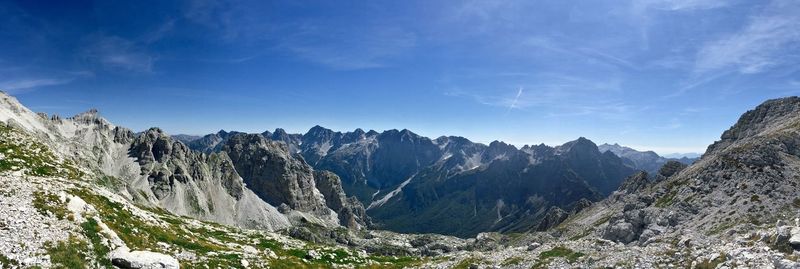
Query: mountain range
point(81, 192)
point(411, 183)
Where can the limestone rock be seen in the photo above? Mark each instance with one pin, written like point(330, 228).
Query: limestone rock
point(143, 260)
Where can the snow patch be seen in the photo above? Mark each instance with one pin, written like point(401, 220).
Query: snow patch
point(391, 194)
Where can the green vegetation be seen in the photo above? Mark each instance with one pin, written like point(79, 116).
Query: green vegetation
point(666, 200)
point(68, 254)
point(92, 231)
point(720, 228)
point(568, 254)
point(110, 182)
point(467, 263)
point(512, 261)
point(210, 241)
point(602, 220)
point(710, 264)
point(5, 262)
point(48, 203)
point(140, 235)
point(20, 151)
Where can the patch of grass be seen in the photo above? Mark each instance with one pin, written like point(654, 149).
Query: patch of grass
point(602, 220)
point(511, 261)
point(140, 235)
point(755, 198)
point(582, 234)
point(720, 228)
point(49, 203)
point(711, 264)
point(22, 152)
point(110, 182)
point(666, 200)
point(6, 262)
point(467, 263)
point(92, 231)
point(68, 254)
point(559, 251)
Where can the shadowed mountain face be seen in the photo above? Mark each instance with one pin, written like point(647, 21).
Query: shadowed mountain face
point(411, 183)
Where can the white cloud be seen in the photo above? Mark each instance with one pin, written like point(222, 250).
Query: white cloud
point(764, 43)
point(349, 49)
point(516, 99)
point(119, 54)
point(20, 85)
point(682, 5)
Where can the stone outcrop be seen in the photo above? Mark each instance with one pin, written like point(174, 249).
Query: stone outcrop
point(143, 260)
point(274, 174)
point(350, 211)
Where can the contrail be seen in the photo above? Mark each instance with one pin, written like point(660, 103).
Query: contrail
point(514, 103)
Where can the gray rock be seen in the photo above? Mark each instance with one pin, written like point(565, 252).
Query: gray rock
point(143, 260)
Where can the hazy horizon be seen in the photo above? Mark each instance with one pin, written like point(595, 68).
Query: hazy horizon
point(667, 76)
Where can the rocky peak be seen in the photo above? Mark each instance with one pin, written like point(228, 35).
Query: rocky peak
point(274, 174)
point(668, 169)
point(350, 211)
point(634, 183)
point(579, 146)
point(92, 116)
point(768, 114)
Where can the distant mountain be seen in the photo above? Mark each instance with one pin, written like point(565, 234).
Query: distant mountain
point(691, 155)
point(412, 183)
point(185, 138)
point(647, 161)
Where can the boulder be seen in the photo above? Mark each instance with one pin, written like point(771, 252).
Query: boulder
point(143, 260)
point(621, 231)
point(794, 240)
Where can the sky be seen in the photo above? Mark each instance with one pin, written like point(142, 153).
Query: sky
point(668, 76)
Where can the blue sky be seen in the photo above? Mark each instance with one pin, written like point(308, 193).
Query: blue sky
point(668, 76)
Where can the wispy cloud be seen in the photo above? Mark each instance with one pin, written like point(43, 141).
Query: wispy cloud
point(681, 5)
point(516, 99)
point(673, 124)
point(761, 45)
point(697, 81)
point(21, 85)
point(349, 49)
point(120, 54)
point(553, 95)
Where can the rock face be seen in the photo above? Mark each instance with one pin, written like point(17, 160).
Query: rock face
point(552, 218)
point(280, 177)
point(350, 211)
point(669, 169)
point(166, 162)
point(270, 170)
point(205, 186)
point(634, 183)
